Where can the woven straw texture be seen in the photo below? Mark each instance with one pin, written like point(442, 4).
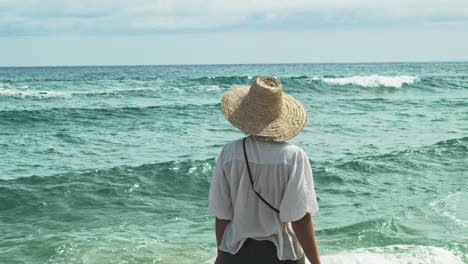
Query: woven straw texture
point(264, 110)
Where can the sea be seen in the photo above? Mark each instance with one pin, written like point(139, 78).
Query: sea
point(113, 164)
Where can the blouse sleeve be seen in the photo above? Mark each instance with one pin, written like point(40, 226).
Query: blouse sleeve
point(219, 196)
point(299, 197)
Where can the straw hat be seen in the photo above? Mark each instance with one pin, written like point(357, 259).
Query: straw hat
point(264, 110)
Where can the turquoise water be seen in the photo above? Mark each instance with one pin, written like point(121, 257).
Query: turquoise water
point(113, 164)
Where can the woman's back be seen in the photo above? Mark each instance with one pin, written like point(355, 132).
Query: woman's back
point(282, 176)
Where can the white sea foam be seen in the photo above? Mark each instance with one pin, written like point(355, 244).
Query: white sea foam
point(178, 90)
point(372, 80)
point(12, 86)
point(38, 93)
point(31, 93)
point(398, 254)
point(110, 91)
point(454, 207)
point(209, 88)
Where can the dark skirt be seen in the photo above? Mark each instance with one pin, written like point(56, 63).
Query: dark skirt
point(256, 252)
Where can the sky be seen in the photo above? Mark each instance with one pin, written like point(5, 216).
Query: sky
point(142, 32)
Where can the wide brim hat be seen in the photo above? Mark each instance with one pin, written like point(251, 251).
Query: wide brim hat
point(264, 110)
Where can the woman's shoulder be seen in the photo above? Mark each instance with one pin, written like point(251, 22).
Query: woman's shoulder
point(293, 148)
point(283, 147)
point(232, 144)
point(231, 147)
point(286, 146)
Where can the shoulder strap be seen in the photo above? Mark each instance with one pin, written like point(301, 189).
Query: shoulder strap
point(251, 179)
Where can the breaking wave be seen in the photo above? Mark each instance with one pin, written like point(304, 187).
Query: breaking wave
point(31, 93)
point(397, 254)
point(371, 81)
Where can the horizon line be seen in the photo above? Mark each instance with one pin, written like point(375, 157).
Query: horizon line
point(227, 64)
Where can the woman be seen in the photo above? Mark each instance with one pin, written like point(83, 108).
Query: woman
point(262, 191)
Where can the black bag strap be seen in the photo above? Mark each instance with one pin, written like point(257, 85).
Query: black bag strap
point(251, 179)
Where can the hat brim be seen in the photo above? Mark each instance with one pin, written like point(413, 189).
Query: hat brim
point(287, 125)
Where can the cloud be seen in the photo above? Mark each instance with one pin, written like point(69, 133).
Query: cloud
point(48, 17)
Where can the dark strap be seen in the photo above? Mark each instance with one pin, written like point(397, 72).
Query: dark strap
point(251, 179)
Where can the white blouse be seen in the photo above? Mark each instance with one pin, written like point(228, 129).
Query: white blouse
point(282, 176)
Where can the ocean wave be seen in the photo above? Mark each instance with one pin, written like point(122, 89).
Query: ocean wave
point(371, 80)
point(396, 254)
point(110, 91)
point(208, 88)
point(139, 91)
point(184, 168)
point(224, 80)
point(452, 148)
point(434, 159)
point(32, 93)
point(181, 180)
point(302, 81)
point(45, 93)
point(98, 114)
point(85, 77)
